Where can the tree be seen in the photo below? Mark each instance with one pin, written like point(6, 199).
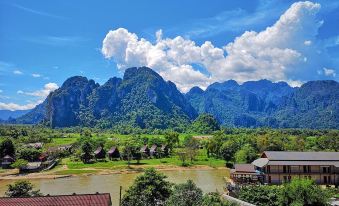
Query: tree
point(150, 189)
point(228, 149)
point(87, 150)
point(182, 154)
point(247, 154)
point(7, 148)
point(22, 188)
point(131, 150)
point(214, 199)
point(205, 124)
point(303, 192)
point(29, 154)
point(260, 195)
point(172, 139)
point(186, 194)
point(191, 147)
point(19, 163)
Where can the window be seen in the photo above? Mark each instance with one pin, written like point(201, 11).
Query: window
point(268, 169)
point(325, 179)
point(284, 169)
point(269, 179)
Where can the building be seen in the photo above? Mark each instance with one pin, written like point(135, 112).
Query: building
point(279, 167)
point(113, 153)
point(7, 161)
point(103, 199)
point(246, 173)
point(100, 153)
point(153, 151)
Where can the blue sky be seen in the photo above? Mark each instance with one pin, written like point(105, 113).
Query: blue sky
point(42, 43)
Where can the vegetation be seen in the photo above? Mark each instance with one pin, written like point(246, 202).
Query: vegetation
point(22, 188)
point(151, 189)
point(297, 192)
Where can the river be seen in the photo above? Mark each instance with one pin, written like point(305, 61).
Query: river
point(208, 180)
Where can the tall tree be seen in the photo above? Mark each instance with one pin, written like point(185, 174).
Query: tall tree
point(7, 147)
point(87, 150)
point(186, 194)
point(149, 189)
point(22, 188)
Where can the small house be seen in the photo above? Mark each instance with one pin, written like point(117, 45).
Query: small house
point(31, 167)
point(113, 153)
point(7, 161)
point(145, 151)
point(99, 153)
point(153, 151)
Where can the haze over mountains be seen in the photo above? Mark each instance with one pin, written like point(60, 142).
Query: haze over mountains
point(143, 99)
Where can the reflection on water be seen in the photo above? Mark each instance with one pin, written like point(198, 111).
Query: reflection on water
point(207, 180)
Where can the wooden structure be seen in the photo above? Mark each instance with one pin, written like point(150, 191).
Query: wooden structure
point(145, 151)
point(99, 153)
point(246, 173)
point(7, 161)
point(280, 167)
point(113, 153)
point(154, 151)
point(103, 199)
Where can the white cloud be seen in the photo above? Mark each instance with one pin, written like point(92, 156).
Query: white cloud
point(20, 92)
point(273, 53)
point(13, 106)
point(42, 92)
point(36, 75)
point(18, 72)
point(329, 72)
point(1, 91)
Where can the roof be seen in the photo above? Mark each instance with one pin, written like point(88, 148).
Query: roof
point(144, 148)
point(301, 156)
point(98, 150)
point(320, 163)
point(8, 157)
point(244, 168)
point(153, 148)
point(103, 199)
point(112, 150)
point(32, 165)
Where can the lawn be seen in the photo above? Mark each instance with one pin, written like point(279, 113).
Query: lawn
point(75, 172)
point(201, 159)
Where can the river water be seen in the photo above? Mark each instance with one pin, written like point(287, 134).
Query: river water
point(207, 180)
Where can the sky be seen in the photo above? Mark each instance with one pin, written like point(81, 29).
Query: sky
point(191, 43)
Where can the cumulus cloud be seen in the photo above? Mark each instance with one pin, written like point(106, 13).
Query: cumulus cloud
point(329, 72)
point(40, 94)
point(1, 91)
point(48, 88)
point(17, 72)
point(282, 51)
point(13, 106)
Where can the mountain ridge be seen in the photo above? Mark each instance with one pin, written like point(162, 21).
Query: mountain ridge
point(143, 99)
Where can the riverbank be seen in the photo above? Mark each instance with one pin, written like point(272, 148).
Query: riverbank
point(64, 171)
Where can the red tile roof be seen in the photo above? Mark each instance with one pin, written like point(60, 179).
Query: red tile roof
point(103, 199)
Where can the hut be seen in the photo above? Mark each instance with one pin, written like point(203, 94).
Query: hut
point(145, 151)
point(31, 167)
point(165, 150)
point(7, 161)
point(154, 150)
point(113, 153)
point(99, 153)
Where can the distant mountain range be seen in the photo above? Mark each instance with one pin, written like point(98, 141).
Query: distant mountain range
point(143, 99)
point(8, 114)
